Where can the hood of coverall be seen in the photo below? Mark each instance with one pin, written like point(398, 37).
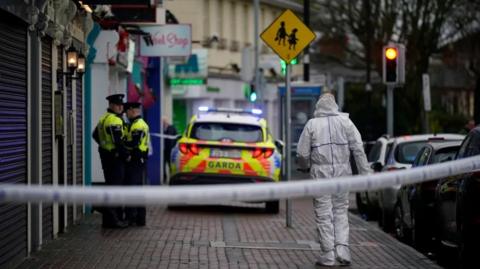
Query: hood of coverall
point(326, 105)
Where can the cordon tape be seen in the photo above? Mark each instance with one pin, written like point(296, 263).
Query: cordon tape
point(213, 194)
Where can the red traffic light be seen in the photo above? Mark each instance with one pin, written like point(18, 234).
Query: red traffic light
point(391, 53)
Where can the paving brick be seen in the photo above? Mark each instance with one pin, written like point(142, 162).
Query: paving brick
point(218, 237)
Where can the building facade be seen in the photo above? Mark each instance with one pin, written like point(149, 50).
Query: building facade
point(41, 118)
point(223, 35)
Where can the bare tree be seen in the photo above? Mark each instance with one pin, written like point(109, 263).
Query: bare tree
point(423, 25)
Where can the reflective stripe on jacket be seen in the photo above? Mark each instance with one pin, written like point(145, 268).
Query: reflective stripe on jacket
point(138, 136)
point(110, 129)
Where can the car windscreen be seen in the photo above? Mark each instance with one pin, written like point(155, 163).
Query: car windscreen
point(215, 131)
point(406, 152)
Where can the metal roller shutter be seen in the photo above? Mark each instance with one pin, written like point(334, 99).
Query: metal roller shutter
point(79, 137)
point(61, 144)
point(47, 128)
point(69, 147)
point(13, 136)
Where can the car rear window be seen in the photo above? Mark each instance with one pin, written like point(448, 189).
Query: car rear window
point(215, 131)
point(406, 152)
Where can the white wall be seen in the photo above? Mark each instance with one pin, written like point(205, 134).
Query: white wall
point(100, 85)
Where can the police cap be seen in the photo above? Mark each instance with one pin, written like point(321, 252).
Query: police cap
point(129, 105)
point(115, 99)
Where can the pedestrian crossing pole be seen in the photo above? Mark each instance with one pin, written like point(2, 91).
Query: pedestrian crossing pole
point(288, 141)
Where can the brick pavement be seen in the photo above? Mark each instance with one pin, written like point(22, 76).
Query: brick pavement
point(218, 237)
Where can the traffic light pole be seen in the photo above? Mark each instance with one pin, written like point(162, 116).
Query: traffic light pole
point(257, 51)
point(288, 141)
point(390, 110)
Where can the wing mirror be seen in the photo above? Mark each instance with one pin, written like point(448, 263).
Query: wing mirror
point(280, 145)
point(377, 166)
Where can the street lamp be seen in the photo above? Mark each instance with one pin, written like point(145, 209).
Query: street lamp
point(72, 57)
point(75, 64)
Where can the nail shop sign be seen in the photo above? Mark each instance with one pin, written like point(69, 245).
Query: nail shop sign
point(166, 40)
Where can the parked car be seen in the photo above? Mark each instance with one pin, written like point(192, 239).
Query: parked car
point(457, 207)
point(223, 146)
point(414, 212)
point(401, 156)
point(367, 201)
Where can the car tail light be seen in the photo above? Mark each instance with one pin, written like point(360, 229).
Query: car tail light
point(268, 153)
point(257, 152)
point(194, 149)
point(395, 168)
point(184, 148)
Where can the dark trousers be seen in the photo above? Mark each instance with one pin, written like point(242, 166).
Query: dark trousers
point(135, 176)
point(114, 173)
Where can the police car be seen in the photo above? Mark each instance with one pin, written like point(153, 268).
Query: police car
point(222, 146)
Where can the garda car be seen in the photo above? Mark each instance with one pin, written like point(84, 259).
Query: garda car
point(222, 146)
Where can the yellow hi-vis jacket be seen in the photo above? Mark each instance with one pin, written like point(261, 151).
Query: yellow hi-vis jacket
point(109, 131)
point(138, 137)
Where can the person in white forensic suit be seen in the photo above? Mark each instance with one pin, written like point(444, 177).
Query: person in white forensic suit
point(324, 148)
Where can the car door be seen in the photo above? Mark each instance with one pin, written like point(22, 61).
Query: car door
point(446, 199)
point(407, 191)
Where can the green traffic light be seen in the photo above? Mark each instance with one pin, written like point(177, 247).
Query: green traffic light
point(283, 64)
point(253, 97)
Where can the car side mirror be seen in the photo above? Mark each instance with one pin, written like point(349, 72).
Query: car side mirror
point(280, 145)
point(377, 166)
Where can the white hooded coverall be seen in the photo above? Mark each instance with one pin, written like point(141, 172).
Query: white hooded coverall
point(325, 146)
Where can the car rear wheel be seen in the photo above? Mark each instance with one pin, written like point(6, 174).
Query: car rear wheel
point(272, 207)
point(361, 206)
point(387, 221)
point(401, 231)
point(420, 235)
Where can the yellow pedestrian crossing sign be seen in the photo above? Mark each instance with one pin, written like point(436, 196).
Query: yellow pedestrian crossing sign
point(287, 36)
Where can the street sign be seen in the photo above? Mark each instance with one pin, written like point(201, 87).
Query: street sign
point(287, 36)
point(427, 104)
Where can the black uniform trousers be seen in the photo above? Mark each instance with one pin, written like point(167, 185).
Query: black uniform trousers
point(114, 172)
point(135, 176)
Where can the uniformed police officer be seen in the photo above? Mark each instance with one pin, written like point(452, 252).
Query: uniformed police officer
point(109, 134)
point(137, 140)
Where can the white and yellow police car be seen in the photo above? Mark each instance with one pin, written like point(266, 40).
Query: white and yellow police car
point(221, 146)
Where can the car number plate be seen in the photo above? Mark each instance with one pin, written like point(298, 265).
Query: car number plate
point(231, 153)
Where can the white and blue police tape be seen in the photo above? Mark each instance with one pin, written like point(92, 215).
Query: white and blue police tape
point(164, 136)
point(205, 194)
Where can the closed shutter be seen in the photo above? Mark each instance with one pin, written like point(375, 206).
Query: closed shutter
point(61, 144)
point(13, 136)
point(69, 147)
point(79, 138)
point(47, 128)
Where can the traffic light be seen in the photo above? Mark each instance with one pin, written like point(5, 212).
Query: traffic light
point(253, 95)
point(283, 65)
point(390, 64)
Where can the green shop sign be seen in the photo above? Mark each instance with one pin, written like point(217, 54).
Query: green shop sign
point(187, 81)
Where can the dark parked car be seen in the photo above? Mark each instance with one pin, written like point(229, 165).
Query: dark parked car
point(401, 156)
point(457, 205)
point(414, 210)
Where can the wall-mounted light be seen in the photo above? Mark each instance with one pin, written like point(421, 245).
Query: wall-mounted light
point(72, 57)
point(75, 64)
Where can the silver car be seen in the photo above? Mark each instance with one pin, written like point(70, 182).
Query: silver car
point(401, 156)
point(367, 201)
